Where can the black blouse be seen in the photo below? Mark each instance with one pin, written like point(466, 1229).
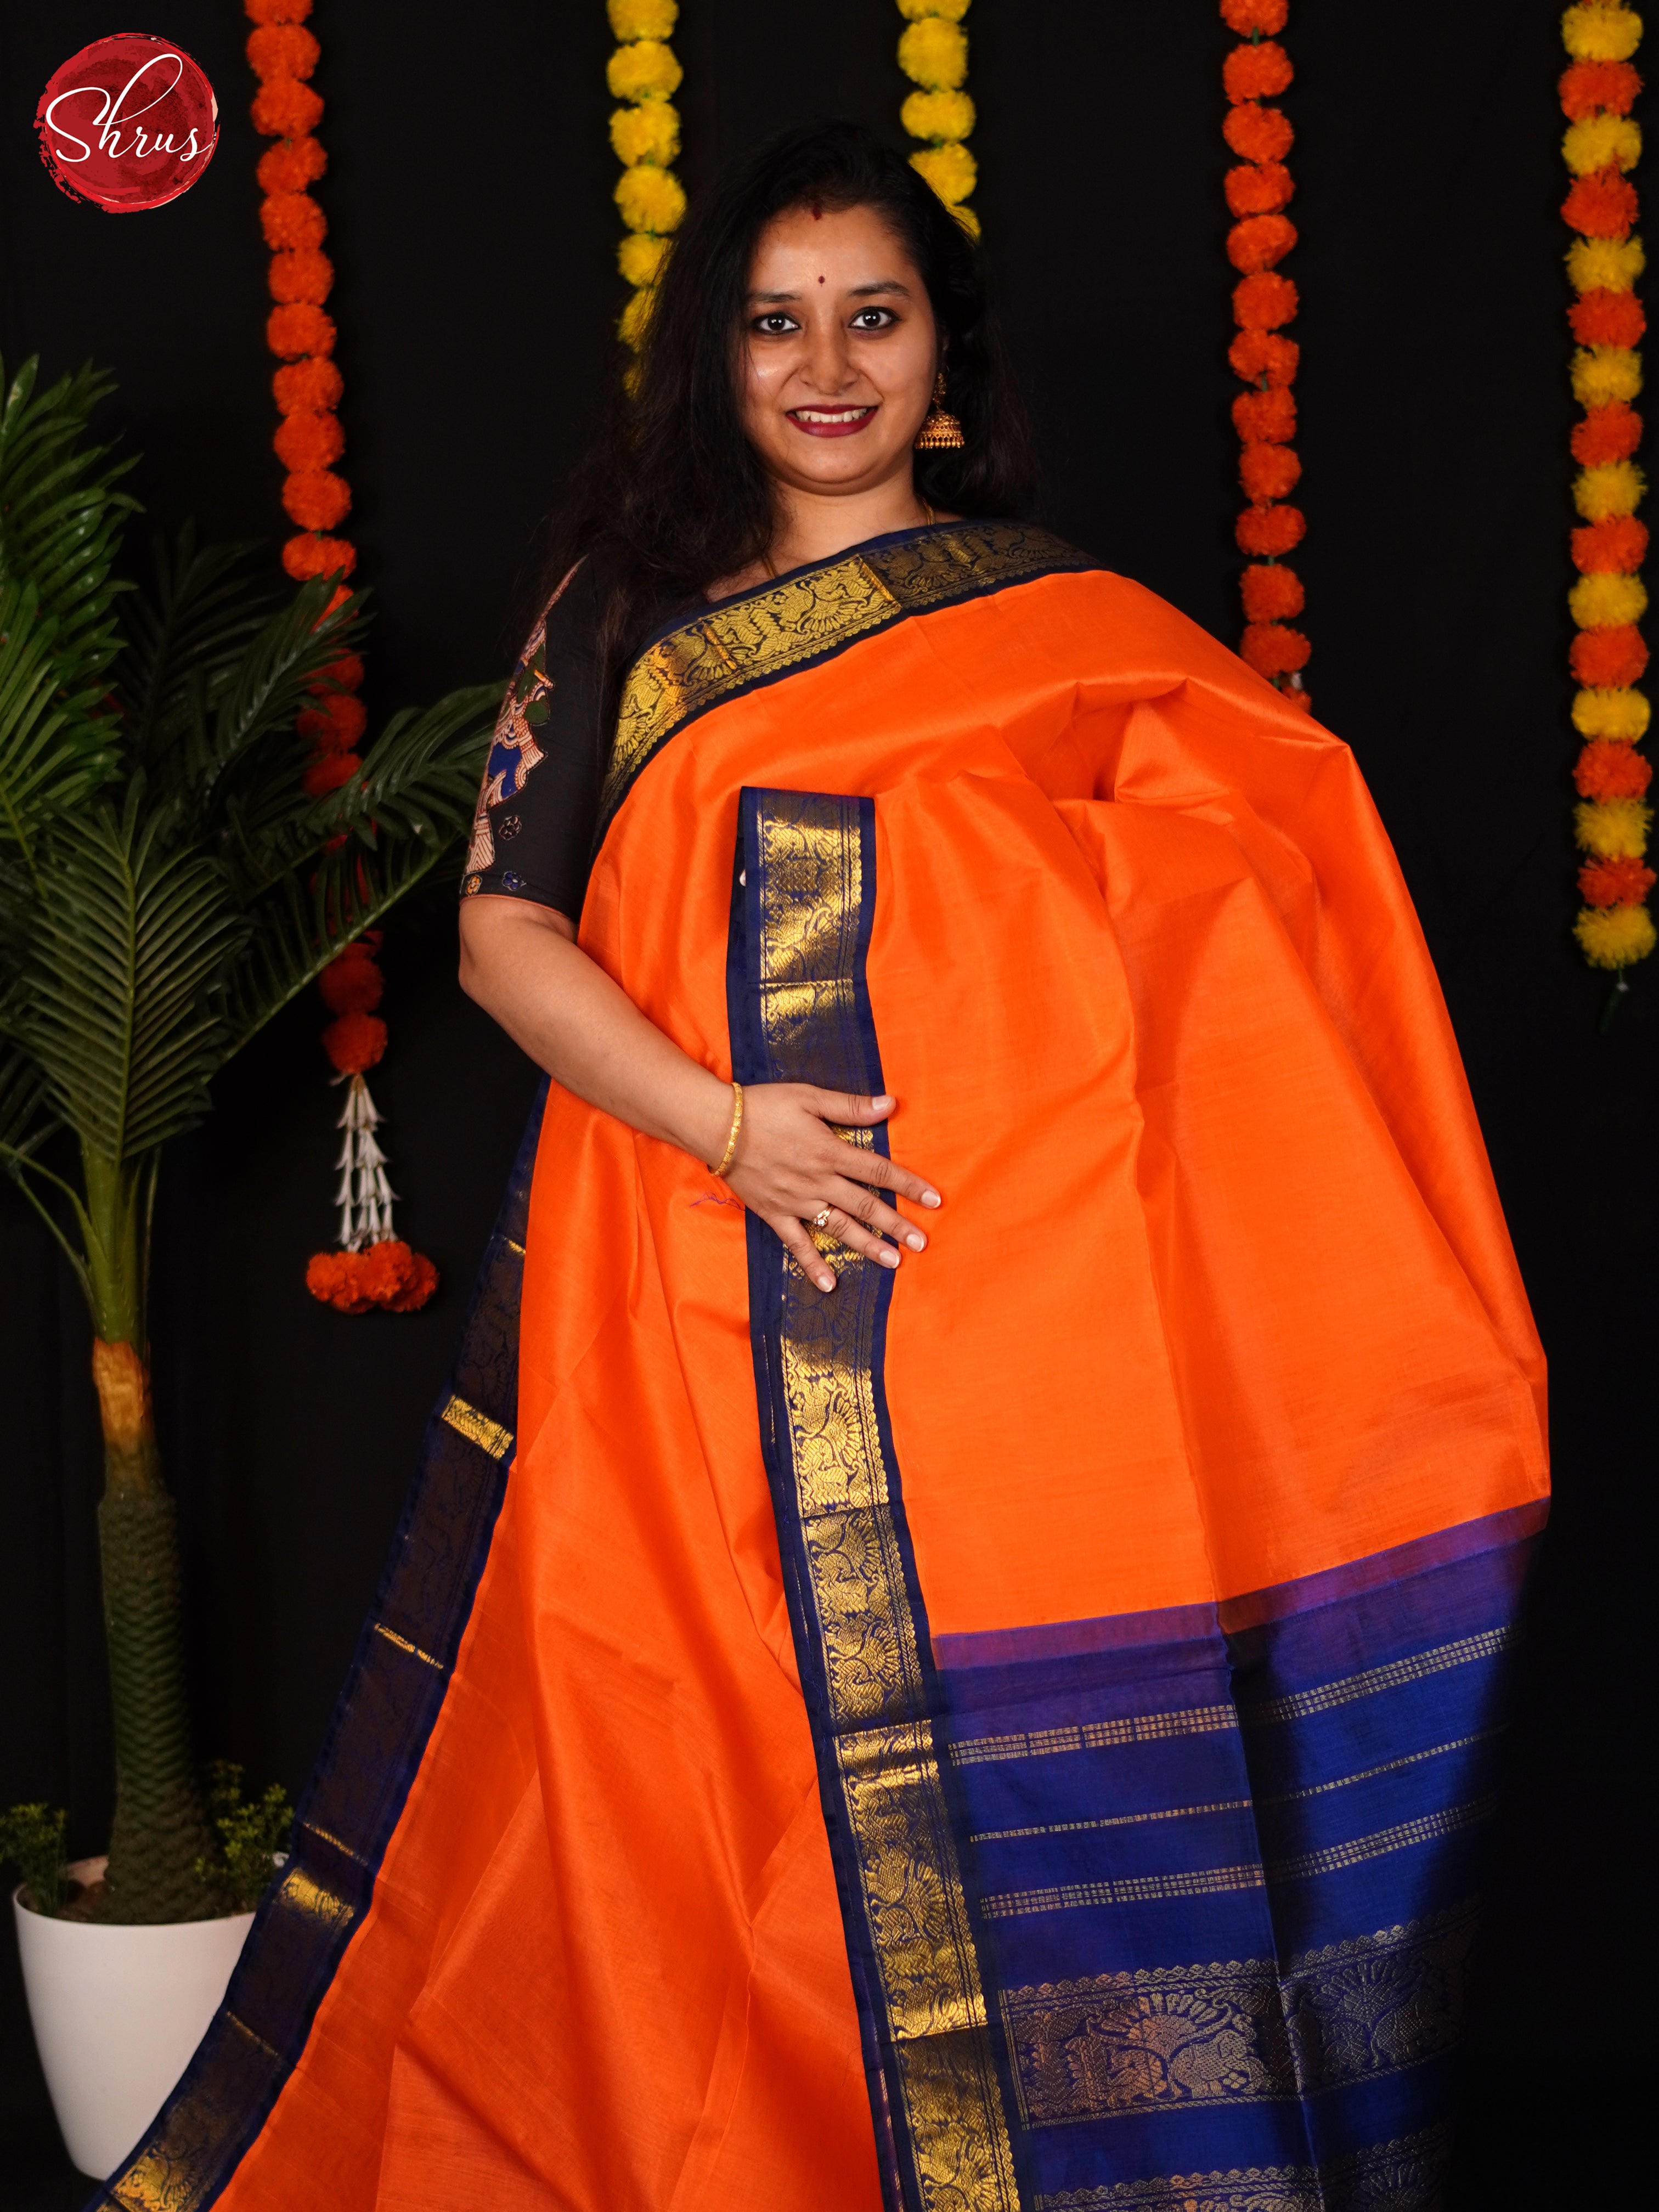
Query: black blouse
point(533, 836)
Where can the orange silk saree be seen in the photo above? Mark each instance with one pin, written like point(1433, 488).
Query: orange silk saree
point(1017, 1733)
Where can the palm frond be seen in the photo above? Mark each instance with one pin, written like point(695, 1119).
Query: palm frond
point(119, 1004)
point(25, 1119)
point(53, 753)
point(241, 751)
point(61, 516)
point(410, 808)
point(191, 627)
point(421, 775)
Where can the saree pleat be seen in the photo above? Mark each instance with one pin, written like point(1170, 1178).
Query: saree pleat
point(1018, 1732)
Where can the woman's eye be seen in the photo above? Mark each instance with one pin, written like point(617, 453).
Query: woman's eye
point(873, 319)
point(775, 326)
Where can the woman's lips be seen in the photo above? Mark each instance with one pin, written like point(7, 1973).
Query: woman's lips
point(831, 421)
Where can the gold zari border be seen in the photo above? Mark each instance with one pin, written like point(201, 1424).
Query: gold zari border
point(763, 634)
point(1406, 2175)
point(860, 1613)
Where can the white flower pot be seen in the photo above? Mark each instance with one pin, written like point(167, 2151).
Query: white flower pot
point(118, 2013)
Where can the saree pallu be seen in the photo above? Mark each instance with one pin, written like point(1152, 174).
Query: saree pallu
point(1014, 1735)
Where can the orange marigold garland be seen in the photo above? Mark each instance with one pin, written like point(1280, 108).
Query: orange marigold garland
point(373, 1266)
point(1258, 189)
point(1602, 144)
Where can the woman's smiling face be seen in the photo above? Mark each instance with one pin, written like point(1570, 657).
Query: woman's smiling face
point(840, 350)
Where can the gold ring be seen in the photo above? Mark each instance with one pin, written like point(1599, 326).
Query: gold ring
point(821, 1220)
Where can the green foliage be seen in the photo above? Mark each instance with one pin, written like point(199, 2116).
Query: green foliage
point(166, 888)
point(32, 1840)
point(61, 517)
point(250, 1835)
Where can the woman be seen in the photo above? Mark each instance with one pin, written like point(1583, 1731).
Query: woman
point(980, 1689)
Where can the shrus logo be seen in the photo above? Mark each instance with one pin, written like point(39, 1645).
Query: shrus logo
point(128, 122)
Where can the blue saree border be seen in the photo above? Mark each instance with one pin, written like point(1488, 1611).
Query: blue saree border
point(376, 1740)
point(803, 901)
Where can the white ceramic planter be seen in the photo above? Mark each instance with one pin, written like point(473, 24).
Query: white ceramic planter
point(118, 2013)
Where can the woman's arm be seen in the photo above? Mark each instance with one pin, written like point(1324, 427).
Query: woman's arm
point(523, 965)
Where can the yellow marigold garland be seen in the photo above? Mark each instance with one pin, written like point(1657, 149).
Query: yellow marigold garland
point(1258, 190)
point(933, 54)
point(646, 135)
point(1612, 820)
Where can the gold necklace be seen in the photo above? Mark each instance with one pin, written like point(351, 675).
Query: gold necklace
point(929, 518)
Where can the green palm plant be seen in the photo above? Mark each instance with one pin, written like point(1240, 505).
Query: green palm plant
point(166, 888)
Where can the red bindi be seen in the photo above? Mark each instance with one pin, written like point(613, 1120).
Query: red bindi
point(820, 280)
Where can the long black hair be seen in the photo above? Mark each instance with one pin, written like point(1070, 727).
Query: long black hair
point(672, 496)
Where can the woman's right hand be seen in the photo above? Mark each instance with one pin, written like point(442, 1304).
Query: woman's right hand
point(792, 1164)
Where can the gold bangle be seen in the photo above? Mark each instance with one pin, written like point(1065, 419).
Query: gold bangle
point(730, 1153)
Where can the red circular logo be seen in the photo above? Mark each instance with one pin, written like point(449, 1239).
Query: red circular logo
point(130, 123)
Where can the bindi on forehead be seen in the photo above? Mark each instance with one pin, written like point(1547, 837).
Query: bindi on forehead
point(820, 280)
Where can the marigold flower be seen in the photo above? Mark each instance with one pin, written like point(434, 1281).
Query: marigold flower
point(1258, 187)
point(345, 674)
point(1619, 543)
point(317, 499)
point(352, 984)
point(641, 19)
point(1622, 714)
point(952, 10)
point(1268, 415)
point(298, 329)
point(1613, 828)
point(305, 443)
point(277, 50)
point(285, 109)
point(335, 723)
point(1270, 592)
point(1244, 16)
point(1258, 134)
point(1603, 205)
point(645, 71)
point(1256, 353)
point(1600, 32)
point(276, 11)
point(1257, 72)
point(1611, 771)
point(1604, 265)
point(933, 53)
point(650, 198)
point(1605, 601)
point(1586, 86)
point(291, 220)
point(305, 277)
point(648, 132)
point(1615, 936)
point(326, 772)
point(1602, 142)
point(313, 554)
point(1603, 375)
point(1266, 532)
point(938, 115)
point(1609, 488)
point(1607, 658)
point(1266, 472)
point(291, 165)
point(1259, 241)
point(1615, 883)
point(1273, 650)
point(640, 256)
point(307, 387)
point(1607, 319)
point(1263, 302)
point(951, 170)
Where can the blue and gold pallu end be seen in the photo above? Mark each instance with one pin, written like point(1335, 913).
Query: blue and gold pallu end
point(399, 1676)
point(1166, 1913)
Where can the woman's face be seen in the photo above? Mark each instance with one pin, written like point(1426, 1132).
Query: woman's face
point(840, 350)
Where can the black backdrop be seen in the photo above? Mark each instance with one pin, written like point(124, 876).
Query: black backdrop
point(468, 193)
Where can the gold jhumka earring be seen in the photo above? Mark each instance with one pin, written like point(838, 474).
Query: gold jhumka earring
point(941, 428)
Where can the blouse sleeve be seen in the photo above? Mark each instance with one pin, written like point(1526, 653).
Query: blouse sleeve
point(538, 805)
